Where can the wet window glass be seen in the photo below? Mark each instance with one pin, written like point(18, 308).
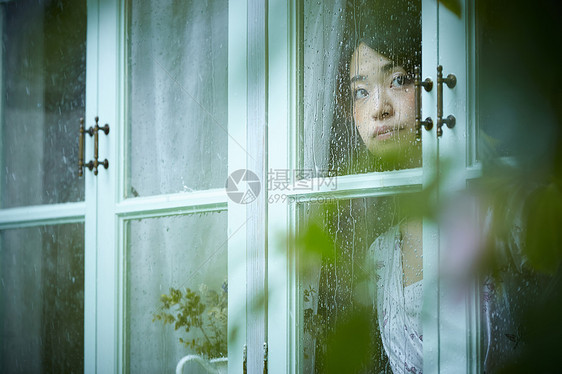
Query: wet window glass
point(516, 100)
point(360, 260)
point(358, 98)
point(42, 299)
point(177, 292)
point(518, 124)
point(43, 82)
point(177, 55)
point(360, 290)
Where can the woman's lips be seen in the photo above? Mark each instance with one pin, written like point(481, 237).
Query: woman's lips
point(385, 132)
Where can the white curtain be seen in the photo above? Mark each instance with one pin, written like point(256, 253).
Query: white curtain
point(323, 29)
point(177, 88)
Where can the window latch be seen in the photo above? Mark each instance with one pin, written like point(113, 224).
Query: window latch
point(245, 360)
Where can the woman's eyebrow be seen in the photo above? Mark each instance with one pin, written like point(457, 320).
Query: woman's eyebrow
point(384, 69)
point(387, 67)
point(358, 78)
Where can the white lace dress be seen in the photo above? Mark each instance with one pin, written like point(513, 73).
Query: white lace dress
point(398, 307)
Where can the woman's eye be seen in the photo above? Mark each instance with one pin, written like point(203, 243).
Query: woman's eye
point(360, 93)
point(400, 80)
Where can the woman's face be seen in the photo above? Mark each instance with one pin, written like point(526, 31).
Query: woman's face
point(383, 109)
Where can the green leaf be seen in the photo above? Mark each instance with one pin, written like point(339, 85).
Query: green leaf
point(543, 241)
point(349, 346)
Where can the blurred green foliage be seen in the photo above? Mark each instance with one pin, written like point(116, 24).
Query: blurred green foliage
point(543, 236)
point(338, 318)
point(520, 91)
point(316, 242)
point(349, 345)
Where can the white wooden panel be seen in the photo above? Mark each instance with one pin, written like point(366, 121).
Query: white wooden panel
point(42, 214)
point(454, 317)
point(281, 120)
point(430, 311)
point(237, 153)
point(256, 246)
point(90, 237)
point(107, 253)
point(173, 204)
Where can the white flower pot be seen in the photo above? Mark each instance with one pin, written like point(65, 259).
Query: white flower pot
point(213, 366)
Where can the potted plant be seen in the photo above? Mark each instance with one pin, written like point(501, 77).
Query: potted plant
point(202, 315)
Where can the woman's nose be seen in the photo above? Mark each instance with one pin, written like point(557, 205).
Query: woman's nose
point(381, 107)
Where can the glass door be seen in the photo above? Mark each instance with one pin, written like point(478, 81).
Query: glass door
point(163, 292)
point(43, 201)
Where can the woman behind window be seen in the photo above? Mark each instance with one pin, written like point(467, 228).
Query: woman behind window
point(375, 93)
point(386, 48)
point(375, 104)
point(373, 130)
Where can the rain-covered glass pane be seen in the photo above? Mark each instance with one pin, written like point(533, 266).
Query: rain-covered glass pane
point(516, 96)
point(176, 298)
point(507, 299)
point(358, 97)
point(42, 299)
point(177, 56)
point(500, 245)
point(43, 59)
point(518, 127)
point(360, 286)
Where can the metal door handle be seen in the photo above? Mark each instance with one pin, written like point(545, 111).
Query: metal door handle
point(105, 129)
point(81, 164)
point(427, 84)
point(451, 82)
point(92, 131)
